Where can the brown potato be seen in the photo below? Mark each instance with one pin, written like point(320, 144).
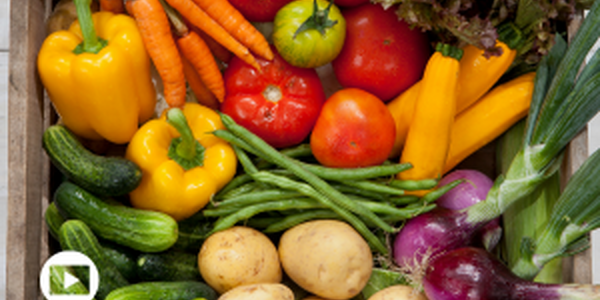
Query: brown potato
point(398, 292)
point(262, 291)
point(238, 256)
point(327, 258)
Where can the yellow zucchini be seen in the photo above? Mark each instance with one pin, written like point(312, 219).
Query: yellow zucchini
point(489, 117)
point(478, 74)
point(428, 138)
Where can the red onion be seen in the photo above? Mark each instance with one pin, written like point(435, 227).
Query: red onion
point(475, 274)
point(474, 189)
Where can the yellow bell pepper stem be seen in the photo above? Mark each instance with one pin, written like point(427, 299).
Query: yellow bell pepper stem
point(185, 150)
point(91, 43)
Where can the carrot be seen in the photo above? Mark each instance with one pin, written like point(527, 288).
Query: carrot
point(195, 50)
point(156, 34)
point(113, 6)
point(203, 95)
point(220, 52)
point(200, 19)
point(234, 22)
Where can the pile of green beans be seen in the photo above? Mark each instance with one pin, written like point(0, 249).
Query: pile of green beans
point(278, 191)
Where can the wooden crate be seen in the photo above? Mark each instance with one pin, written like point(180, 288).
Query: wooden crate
point(29, 180)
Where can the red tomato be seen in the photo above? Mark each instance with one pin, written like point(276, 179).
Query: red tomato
point(349, 3)
point(354, 129)
point(381, 54)
point(280, 104)
point(259, 10)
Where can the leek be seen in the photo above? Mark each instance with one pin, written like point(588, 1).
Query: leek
point(576, 213)
point(562, 105)
point(527, 218)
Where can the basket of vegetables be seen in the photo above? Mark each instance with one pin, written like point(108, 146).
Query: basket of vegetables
point(305, 149)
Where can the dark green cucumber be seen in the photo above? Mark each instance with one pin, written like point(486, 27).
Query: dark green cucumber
point(192, 232)
point(123, 258)
point(57, 282)
point(101, 175)
point(168, 266)
point(142, 230)
point(164, 290)
point(75, 235)
point(53, 220)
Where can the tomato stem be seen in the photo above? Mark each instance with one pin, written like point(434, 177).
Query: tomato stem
point(319, 20)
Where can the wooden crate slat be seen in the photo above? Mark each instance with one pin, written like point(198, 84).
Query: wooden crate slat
point(27, 180)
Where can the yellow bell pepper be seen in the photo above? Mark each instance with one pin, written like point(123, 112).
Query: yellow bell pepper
point(183, 164)
point(97, 75)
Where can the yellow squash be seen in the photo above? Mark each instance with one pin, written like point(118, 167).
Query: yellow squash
point(428, 138)
point(183, 164)
point(478, 74)
point(489, 117)
point(99, 84)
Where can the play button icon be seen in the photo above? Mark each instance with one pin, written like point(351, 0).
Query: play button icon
point(59, 281)
point(69, 280)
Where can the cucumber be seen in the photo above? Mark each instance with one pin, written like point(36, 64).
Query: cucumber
point(142, 230)
point(77, 236)
point(53, 220)
point(168, 266)
point(192, 232)
point(57, 282)
point(101, 175)
point(123, 258)
point(163, 290)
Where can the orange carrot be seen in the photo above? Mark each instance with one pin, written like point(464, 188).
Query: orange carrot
point(113, 6)
point(234, 22)
point(194, 49)
point(200, 19)
point(156, 34)
point(220, 52)
point(203, 95)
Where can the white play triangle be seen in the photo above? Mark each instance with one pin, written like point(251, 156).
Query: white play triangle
point(69, 280)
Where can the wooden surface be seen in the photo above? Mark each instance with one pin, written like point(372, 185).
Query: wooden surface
point(4, 40)
point(27, 180)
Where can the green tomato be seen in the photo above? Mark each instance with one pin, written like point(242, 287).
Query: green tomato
point(309, 33)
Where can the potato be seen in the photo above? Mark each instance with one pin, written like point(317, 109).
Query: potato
point(314, 298)
point(262, 291)
point(398, 292)
point(238, 256)
point(327, 258)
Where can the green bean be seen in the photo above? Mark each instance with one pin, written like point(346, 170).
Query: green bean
point(240, 190)
point(409, 213)
point(317, 183)
point(414, 185)
point(302, 150)
point(257, 197)
point(437, 193)
point(309, 191)
point(375, 187)
point(231, 209)
point(293, 220)
point(236, 182)
point(243, 158)
point(403, 200)
point(321, 171)
point(263, 222)
point(249, 211)
point(398, 213)
point(350, 190)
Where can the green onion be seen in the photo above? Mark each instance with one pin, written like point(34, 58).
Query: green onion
point(528, 217)
point(557, 114)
